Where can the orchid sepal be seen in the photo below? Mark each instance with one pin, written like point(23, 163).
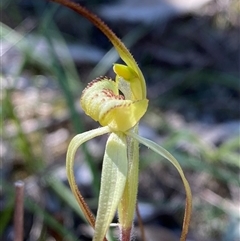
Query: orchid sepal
point(164, 153)
point(75, 143)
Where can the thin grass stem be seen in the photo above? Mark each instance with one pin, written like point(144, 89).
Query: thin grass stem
point(140, 223)
point(19, 211)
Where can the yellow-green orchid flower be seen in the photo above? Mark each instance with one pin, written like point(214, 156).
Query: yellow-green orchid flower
point(117, 105)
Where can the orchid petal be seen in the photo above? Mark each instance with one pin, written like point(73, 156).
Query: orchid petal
point(161, 151)
point(129, 75)
point(75, 143)
point(114, 175)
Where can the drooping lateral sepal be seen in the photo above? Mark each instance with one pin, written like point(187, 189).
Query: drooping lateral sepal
point(75, 143)
point(163, 152)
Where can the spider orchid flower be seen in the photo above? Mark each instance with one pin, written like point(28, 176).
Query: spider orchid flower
point(118, 105)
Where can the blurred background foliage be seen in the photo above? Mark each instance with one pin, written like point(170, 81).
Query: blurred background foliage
point(189, 54)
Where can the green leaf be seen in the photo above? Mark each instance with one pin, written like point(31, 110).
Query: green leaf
point(50, 221)
point(114, 175)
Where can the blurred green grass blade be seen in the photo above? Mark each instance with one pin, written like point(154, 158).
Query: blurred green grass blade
point(197, 165)
point(232, 159)
point(6, 216)
point(75, 118)
point(210, 155)
point(54, 67)
point(61, 76)
point(10, 35)
point(50, 221)
point(20, 141)
point(112, 56)
point(192, 139)
point(64, 193)
point(67, 64)
point(207, 76)
point(228, 152)
point(37, 210)
point(211, 76)
point(24, 45)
